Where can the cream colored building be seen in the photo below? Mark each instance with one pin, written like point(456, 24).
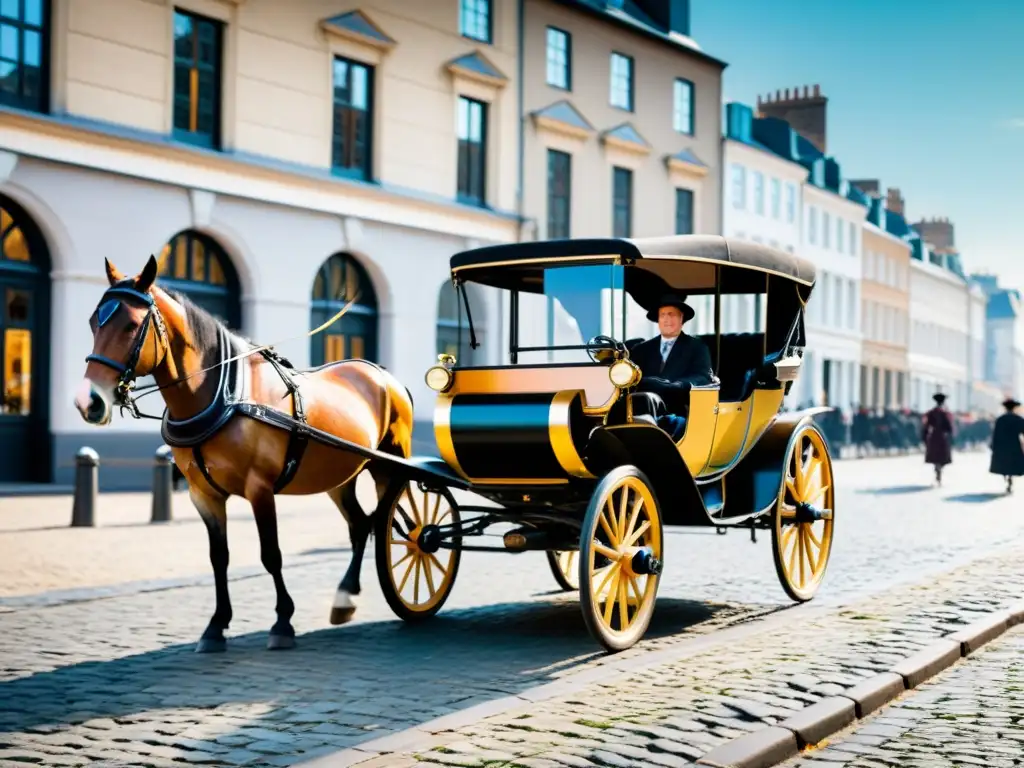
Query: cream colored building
point(294, 153)
point(885, 316)
point(283, 157)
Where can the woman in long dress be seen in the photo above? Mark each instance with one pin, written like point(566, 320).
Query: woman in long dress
point(1008, 444)
point(937, 435)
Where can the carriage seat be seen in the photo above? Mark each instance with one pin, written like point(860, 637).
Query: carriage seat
point(740, 364)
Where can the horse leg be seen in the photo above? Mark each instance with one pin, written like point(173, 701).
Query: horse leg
point(282, 634)
point(359, 526)
point(214, 514)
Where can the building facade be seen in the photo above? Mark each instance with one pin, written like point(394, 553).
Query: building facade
point(1004, 335)
point(279, 161)
point(885, 314)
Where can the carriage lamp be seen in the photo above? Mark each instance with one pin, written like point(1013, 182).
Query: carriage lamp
point(440, 377)
point(624, 374)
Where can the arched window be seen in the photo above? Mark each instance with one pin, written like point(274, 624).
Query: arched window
point(339, 280)
point(453, 325)
point(24, 346)
point(196, 266)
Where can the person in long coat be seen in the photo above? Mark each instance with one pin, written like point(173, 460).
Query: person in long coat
point(1008, 444)
point(937, 435)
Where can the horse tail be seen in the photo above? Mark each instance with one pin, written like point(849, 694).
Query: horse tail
point(399, 415)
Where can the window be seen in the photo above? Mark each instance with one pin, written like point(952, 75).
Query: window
point(812, 225)
point(475, 20)
point(739, 186)
point(684, 211)
point(826, 230)
point(839, 236)
point(853, 239)
point(472, 150)
point(24, 48)
point(197, 61)
point(682, 113)
point(791, 203)
point(776, 199)
point(758, 193)
point(559, 193)
point(353, 116)
point(339, 280)
point(622, 82)
point(453, 325)
point(559, 56)
point(622, 202)
point(196, 265)
point(851, 306)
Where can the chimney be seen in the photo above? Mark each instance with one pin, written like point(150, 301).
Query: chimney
point(805, 110)
point(894, 202)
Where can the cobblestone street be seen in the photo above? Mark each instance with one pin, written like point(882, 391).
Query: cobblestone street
point(968, 716)
point(89, 679)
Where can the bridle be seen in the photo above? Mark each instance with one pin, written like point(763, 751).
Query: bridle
point(109, 304)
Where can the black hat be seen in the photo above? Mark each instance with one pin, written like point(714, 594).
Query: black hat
point(1010, 403)
point(939, 397)
point(671, 300)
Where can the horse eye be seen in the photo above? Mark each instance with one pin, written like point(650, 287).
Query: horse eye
point(131, 325)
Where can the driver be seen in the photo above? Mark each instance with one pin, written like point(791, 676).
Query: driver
point(672, 362)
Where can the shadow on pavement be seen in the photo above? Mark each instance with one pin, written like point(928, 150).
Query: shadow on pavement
point(975, 498)
point(361, 681)
point(895, 490)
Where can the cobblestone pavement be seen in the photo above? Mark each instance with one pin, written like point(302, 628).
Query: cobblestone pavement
point(101, 679)
point(969, 715)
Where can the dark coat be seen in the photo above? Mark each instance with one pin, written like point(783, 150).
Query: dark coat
point(937, 434)
point(688, 365)
point(1007, 453)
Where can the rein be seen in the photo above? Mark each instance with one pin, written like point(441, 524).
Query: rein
point(108, 306)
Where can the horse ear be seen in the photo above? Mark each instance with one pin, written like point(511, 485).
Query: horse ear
point(114, 275)
point(145, 280)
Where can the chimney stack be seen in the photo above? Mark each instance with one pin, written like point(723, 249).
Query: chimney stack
point(804, 109)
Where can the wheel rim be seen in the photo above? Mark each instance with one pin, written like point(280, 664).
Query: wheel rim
point(804, 546)
point(421, 579)
point(566, 562)
point(628, 522)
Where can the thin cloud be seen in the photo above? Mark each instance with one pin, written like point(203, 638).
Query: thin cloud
point(1015, 122)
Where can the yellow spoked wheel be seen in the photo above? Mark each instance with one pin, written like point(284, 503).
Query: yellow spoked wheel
point(416, 574)
point(804, 515)
point(620, 558)
point(564, 568)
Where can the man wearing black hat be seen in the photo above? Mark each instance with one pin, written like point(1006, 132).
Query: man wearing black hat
point(1008, 444)
point(672, 362)
point(937, 434)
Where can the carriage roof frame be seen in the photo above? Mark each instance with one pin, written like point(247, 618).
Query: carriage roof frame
point(497, 265)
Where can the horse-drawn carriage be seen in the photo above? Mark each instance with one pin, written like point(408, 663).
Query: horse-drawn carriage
point(571, 454)
point(561, 444)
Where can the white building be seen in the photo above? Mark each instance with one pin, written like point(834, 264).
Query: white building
point(940, 318)
point(762, 204)
point(1006, 341)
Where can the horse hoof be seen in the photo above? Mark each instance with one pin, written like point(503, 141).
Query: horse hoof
point(280, 642)
point(341, 615)
point(211, 645)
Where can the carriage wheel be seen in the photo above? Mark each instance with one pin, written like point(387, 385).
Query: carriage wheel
point(804, 515)
point(563, 567)
point(415, 574)
point(620, 558)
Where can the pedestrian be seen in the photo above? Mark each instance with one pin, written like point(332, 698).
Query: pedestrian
point(1008, 444)
point(937, 435)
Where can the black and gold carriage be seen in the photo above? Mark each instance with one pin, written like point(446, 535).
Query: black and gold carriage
point(563, 449)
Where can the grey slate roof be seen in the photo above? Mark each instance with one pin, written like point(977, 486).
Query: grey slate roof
point(626, 132)
point(686, 156)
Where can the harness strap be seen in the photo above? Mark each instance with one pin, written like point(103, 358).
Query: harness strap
point(298, 437)
point(198, 456)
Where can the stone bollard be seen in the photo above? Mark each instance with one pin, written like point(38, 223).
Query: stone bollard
point(163, 484)
point(83, 511)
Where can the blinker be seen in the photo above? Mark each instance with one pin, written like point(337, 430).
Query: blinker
point(107, 310)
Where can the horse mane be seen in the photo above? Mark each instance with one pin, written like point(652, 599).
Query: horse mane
point(204, 327)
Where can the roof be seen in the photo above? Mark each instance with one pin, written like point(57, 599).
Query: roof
point(356, 24)
point(565, 113)
point(518, 265)
point(631, 16)
point(475, 64)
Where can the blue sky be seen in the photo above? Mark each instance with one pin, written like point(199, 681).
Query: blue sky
point(924, 95)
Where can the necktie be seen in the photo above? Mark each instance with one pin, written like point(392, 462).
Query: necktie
point(665, 346)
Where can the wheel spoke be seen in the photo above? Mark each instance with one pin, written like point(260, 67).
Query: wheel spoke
point(791, 567)
point(437, 564)
point(415, 560)
point(812, 560)
point(801, 480)
point(608, 552)
point(405, 557)
point(415, 509)
point(610, 600)
point(640, 531)
point(416, 581)
point(623, 605)
point(621, 517)
point(437, 508)
point(612, 538)
point(800, 543)
point(608, 571)
point(636, 591)
point(429, 575)
point(634, 515)
point(787, 535)
point(814, 539)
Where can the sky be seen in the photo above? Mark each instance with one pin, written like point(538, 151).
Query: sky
point(924, 95)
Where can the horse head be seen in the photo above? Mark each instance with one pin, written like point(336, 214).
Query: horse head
point(129, 340)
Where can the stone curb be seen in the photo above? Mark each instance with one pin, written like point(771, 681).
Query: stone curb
point(762, 748)
point(778, 743)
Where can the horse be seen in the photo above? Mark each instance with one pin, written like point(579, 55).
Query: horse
point(228, 425)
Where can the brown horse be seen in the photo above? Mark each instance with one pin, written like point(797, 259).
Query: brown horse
point(235, 421)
